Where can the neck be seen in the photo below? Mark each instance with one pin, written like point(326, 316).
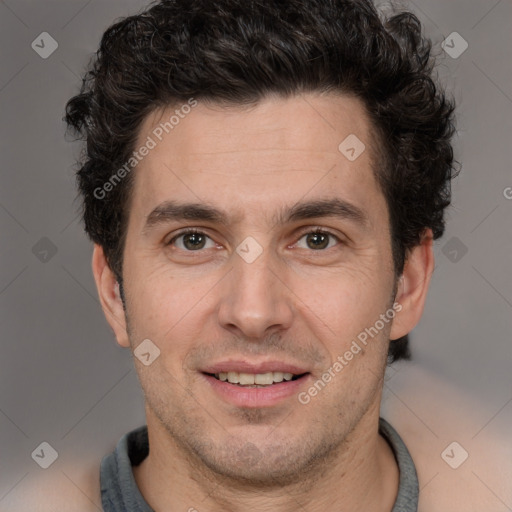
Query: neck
point(362, 474)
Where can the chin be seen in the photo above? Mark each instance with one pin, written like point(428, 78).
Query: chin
point(268, 465)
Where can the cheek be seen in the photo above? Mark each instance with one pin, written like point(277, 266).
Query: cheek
point(166, 307)
point(344, 301)
point(164, 293)
point(341, 315)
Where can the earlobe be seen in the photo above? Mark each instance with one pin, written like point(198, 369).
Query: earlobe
point(109, 295)
point(413, 286)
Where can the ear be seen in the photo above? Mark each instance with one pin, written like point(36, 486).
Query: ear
point(413, 286)
point(110, 297)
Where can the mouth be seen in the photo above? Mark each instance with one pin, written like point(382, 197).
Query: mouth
point(256, 380)
point(251, 384)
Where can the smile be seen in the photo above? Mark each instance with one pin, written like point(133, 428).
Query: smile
point(256, 390)
point(255, 380)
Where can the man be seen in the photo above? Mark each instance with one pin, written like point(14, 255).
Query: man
point(263, 183)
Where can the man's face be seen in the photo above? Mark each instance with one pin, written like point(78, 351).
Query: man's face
point(257, 292)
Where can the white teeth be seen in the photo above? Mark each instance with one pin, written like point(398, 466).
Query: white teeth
point(233, 377)
point(246, 378)
point(278, 376)
point(264, 378)
point(249, 379)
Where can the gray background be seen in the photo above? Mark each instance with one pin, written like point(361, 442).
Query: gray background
point(64, 380)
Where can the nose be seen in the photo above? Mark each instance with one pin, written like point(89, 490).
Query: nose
point(255, 301)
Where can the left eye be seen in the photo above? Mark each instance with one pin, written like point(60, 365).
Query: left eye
point(319, 240)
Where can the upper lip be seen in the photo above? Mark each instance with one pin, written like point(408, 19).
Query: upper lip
point(241, 366)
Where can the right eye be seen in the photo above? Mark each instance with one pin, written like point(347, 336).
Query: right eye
point(191, 240)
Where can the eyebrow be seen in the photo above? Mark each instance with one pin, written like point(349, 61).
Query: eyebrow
point(176, 211)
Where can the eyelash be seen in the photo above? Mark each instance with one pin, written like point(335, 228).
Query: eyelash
point(314, 230)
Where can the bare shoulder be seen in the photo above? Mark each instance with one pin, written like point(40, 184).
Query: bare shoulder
point(62, 487)
point(459, 443)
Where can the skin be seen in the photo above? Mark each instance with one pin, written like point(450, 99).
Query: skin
point(294, 303)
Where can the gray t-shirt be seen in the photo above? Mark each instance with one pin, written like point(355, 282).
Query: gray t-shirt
point(119, 491)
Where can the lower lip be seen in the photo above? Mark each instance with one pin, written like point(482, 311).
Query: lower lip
point(256, 397)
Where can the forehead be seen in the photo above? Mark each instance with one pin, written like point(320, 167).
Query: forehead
point(252, 157)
